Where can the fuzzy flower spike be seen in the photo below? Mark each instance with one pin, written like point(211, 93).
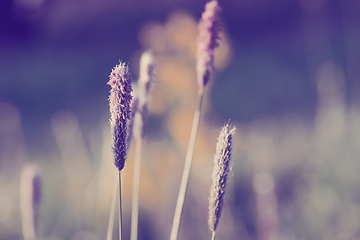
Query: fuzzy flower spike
point(207, 42)
point(134, 109)
point(120, 99)
point(146, 80)
point(219, 175)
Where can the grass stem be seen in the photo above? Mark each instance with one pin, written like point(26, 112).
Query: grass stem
point(186, 172)
point(213, 235)
point(136, 186)
point(112, 213)
point(120, 208)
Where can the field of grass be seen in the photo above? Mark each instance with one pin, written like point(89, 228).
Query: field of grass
point(291, 176)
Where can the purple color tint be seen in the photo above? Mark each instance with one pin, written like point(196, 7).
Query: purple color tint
point(120, 99)
point(207, 42)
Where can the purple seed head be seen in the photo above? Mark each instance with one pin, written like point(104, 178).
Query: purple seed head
point(219, 175)
point(134, 108)
point(207, 42)
point(30, 198)
point(147, 73)
point(120, 99)
point(146, 80)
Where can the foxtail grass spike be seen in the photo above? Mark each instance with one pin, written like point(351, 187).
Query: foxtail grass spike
point(207, 41)
point(120, 99)
point(219, 176)
point(134, 108)
point(147, 73)
point(30, 197)
point(146, 80)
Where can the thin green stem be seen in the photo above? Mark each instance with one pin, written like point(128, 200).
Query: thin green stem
point(186, 172)
point(112, 213)
point(120, 208)
point(213, 235)
point(136, 186)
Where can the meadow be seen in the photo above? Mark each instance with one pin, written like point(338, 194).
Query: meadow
point(294, 171)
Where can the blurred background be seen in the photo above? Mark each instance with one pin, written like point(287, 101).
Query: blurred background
point(287, 76)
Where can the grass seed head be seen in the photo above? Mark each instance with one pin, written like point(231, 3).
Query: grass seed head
point(120, 99)
point(219, 176)
point(146, 80)
point(207, 41)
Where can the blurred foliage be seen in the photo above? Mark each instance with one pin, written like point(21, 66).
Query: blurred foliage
point(294, 175)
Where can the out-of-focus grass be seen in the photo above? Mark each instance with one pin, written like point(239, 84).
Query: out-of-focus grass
point(314, 165)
